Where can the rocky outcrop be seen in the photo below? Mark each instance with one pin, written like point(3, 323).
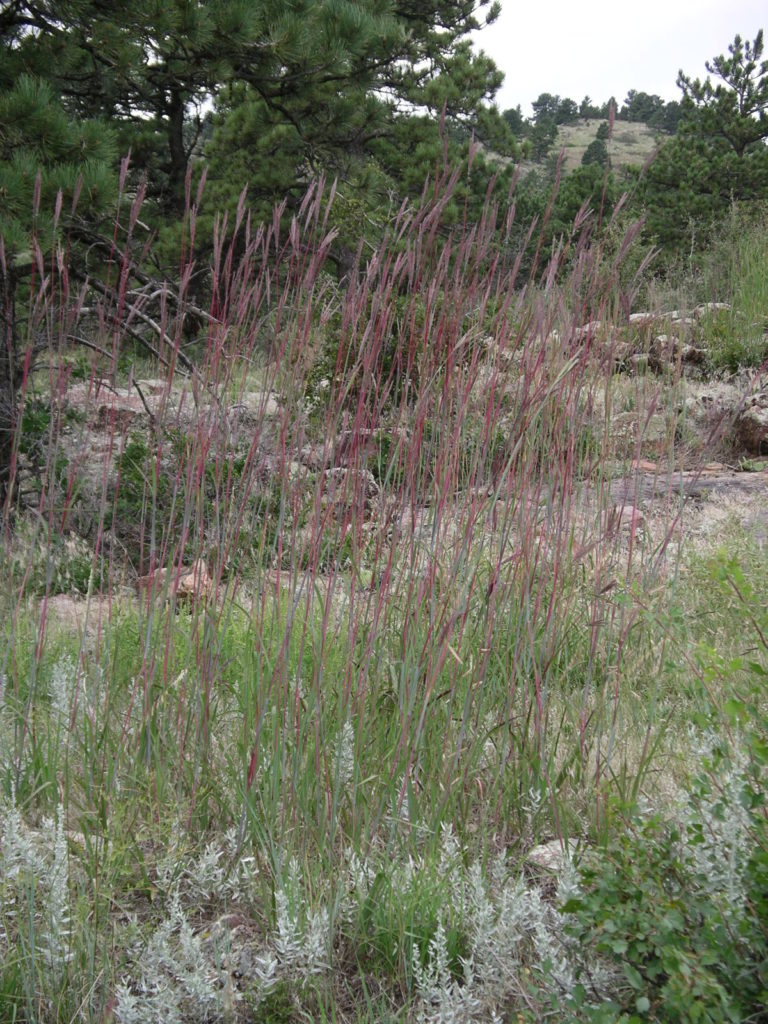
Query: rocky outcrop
point(653, 484)
point(675, 344)
point(190, 586)
point(751, 425)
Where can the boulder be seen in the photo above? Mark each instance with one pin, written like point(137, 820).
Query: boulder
point(191, 586)
point(752, 425)
point(668, 349)
point(711, 307)
point(692, 355)
point(589, 329)
point(343, 488)
point(550, 856)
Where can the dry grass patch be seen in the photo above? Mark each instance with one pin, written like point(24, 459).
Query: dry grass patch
point(630, 144)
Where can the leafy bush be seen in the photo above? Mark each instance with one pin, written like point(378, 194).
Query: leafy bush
point(688, 951)
point(679, 906)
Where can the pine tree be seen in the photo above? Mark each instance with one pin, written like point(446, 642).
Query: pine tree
point(596, 153)
point(379, 129)
point(321, 78)
point(44, 152)
point(49, 162)
point(151, 67)
point(719, 154)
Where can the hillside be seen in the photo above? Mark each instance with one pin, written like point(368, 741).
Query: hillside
point(631, 143)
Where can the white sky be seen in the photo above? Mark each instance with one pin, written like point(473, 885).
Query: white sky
point(603, 48)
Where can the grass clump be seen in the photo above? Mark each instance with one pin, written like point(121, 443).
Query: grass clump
point(431, 636)
point(735, 339)
point(733, 273)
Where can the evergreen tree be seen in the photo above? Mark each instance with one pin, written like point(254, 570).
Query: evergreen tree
point(587, 109)
point(603, 132)
point(49, 162)
point(150, 68)
point(356, 88)
point(640, 106)
point(44, 152)
point(545, 107)
point(515, 121)
point(542, 138)
point(596, 153)
point(719, 154)
point(667, 118)
point(567, 112)
point(385, 132)
point(308, 86)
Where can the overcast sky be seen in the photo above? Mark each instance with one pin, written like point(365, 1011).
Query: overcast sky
point(603, 48)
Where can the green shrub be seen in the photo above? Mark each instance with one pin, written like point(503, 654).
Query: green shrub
point(678, 907)
point(684, 951)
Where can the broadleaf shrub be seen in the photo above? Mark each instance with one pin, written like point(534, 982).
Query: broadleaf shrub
point(678, 906)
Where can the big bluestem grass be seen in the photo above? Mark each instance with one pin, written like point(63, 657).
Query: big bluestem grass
point(422, 608)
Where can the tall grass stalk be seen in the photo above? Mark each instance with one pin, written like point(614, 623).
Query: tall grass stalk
point(418, 607)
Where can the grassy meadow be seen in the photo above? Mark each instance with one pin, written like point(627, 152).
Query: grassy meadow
point(630, 144)
point(432, 715)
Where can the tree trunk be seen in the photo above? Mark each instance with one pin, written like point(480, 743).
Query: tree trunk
point(177, 167)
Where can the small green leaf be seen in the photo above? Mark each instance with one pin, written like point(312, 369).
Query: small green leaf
point(643, 1004)
point(735, 709)
point(579, 995)
point(674, 920)
point(633, 976)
